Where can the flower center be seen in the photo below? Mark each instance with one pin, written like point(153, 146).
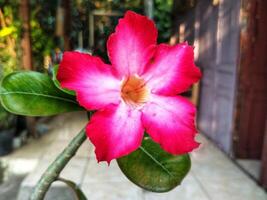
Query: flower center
point(134, 91)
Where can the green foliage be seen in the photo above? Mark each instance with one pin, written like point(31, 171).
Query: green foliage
point(9, 39)
point(8, 63)
point(163, 18)
point(42, 21)
point(118, 5)
point(34, 94)
point(154, 169)
point(42, 44)
point(42, 30)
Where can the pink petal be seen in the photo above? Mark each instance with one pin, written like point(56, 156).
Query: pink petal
point(173, 70)
point(131, 46)
point(170, 122)
point(115, 131)
point(93, 80)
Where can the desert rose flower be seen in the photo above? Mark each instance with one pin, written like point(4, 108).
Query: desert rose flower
point(137, 92)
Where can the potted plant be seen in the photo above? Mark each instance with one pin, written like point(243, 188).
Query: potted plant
point(7, 131)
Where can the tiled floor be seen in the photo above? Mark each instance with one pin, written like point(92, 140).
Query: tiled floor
point(212, 177)
point(252, 166)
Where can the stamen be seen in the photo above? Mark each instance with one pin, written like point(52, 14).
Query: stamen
point(134, 91)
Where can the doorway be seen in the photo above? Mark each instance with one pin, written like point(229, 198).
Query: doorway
point(249, 139)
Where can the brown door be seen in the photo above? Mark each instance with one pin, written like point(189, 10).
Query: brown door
point(252, 92)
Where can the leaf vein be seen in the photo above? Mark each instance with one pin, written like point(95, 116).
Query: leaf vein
point(157, 162)
point(42, 95)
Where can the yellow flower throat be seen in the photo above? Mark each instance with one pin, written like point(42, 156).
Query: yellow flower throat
point(134, 91)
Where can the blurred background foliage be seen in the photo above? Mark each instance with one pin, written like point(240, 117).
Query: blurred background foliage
point(162, 18)
point(45, 41)
point(42, 30)
point(9, 38)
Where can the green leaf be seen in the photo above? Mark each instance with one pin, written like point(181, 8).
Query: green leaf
point(153, 169)
point(78, 192)
point(57, 84)
point(34, 94)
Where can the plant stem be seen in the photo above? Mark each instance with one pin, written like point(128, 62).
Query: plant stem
point(53, 171)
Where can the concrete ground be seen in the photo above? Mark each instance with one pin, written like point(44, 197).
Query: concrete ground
point(213, 176)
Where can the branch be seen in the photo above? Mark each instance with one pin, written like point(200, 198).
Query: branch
point(53, 171)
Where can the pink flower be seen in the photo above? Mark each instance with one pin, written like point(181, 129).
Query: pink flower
point(137, 92)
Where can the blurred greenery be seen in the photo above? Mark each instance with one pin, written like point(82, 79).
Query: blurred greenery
point(9, 52)
point(9, 37)
point(43, 25)
point(163, 18)
point(42, 31)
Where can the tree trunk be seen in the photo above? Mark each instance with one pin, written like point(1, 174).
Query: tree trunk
point(26, 35)
point(63, 23)
point(26, 47)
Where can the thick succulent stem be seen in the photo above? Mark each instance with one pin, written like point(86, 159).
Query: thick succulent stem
point(53, 171)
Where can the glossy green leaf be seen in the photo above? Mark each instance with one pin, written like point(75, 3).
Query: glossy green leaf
point(78, 192)
point(34, 94)
point(57, 84)
point(154, 169)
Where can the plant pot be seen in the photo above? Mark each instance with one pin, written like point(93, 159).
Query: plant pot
point(6, 141)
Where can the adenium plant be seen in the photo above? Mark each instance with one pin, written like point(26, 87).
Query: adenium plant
point(138, 119)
